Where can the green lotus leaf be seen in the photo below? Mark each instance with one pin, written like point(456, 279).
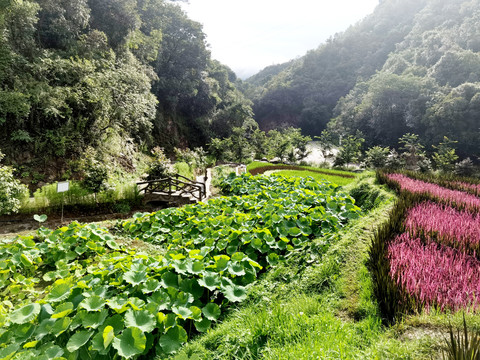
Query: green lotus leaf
point(60, 291)
point(273, 259)
point(108, 336)
point(94, 319)
point(210, 280)
point(25, 313)
point(236, 269)
point(161, 298)
point(118, 304)
point(211, 311)
point(173, 339)
point(195, 267)
point(136, 303)
point(141, 319)
point(52, 351)
point(180, 266)
point(44, 328)
point(170, 279)
point(294, 231)
point(131, 342)
point(238, 256)
point(196, 313)
point(256, 243)
point(60, 326)
point(62, 310)
point(115, 321)
point(112, 244)
point(332, 205)
point(78, 339)
point(92, 303)
point(135, 277)
point(151, 285)
point(40, 218)
point(23, 332)
point(182, 312)
point(9, 351)
point(235, 293)
point(221, 262)
point(202, 325)
point(25, 260)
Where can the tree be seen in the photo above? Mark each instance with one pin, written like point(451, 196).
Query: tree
point(159, 166)
point(325, 141)
point(95, 179)
point(376, 157)
point(413, 152)
point(445, 157)
point(11, 190)
point(350, 150)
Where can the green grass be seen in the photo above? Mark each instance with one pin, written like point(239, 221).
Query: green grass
point(335, 176)
point(258, 164)
point(319, 177)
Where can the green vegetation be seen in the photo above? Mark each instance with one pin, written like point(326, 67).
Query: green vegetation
point(410, 66)
point(75, 291)
point(335, 176)
point(109, 77)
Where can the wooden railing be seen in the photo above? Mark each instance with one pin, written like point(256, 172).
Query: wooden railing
point(174, 187)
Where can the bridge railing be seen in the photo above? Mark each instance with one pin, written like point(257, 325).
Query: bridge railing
point(173, 186)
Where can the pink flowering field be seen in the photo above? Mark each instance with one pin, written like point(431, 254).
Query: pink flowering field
point(435, 260)
point(448, 196)
point(435, 275)
point(458, 229)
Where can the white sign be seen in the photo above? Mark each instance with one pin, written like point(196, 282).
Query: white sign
point(62, 186)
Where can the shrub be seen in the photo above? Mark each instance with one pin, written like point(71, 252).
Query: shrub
point(11, 191)
point(376, 157)
point(464, 167)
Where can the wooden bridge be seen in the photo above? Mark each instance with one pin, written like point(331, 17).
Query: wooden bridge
point(176, 189)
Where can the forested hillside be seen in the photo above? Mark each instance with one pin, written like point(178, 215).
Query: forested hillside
point(411, 66)
point(107, 77)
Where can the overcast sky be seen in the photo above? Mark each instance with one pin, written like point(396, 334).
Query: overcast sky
point(248, 35)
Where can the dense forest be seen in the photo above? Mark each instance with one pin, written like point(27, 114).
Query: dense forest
point(410, 67)
point(106, 78)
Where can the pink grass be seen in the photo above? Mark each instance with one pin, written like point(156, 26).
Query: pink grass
point(459, 229)
point(435, 275)
point(471, 188)
point(450, 197)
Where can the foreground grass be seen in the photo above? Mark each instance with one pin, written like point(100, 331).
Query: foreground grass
point(316, 305)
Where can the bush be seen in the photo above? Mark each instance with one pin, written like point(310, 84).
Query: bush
point(464, 167)
point(11, 191)
point(376, 157)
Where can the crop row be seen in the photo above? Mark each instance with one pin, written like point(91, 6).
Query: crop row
point(455, 198)
point(446, 225)
point(435, 275)
point(74, 293)
point(427, 254)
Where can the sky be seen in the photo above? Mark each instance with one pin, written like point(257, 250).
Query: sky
point(248, 35)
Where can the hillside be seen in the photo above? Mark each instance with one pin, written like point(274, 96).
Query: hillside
point(103, 79)
point(411, 66)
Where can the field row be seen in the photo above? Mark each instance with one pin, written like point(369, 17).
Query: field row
point(431, 248)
